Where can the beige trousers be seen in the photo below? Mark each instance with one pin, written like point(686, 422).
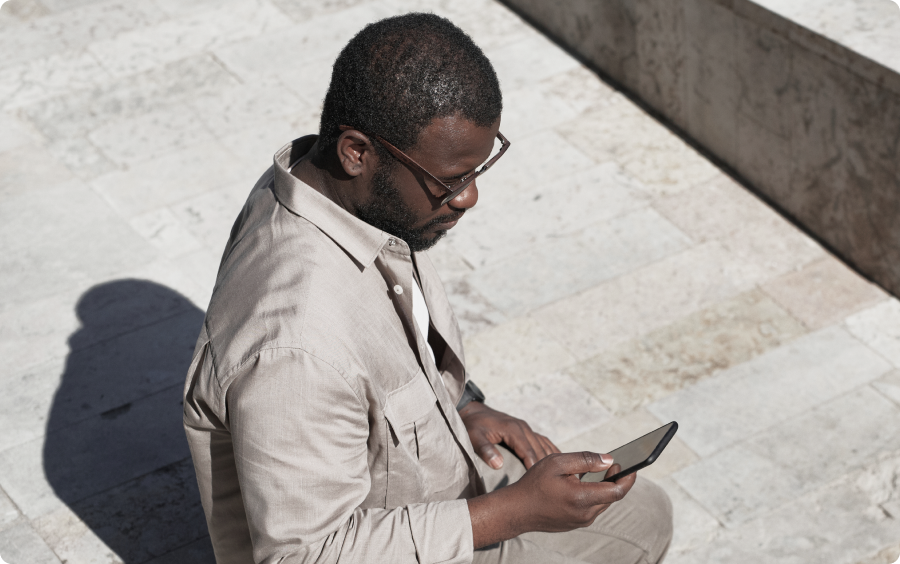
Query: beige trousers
point(636, 530)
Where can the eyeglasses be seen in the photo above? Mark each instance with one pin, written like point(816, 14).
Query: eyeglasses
point(452, 190)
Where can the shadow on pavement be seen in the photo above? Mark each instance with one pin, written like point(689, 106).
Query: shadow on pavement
point(115, 451)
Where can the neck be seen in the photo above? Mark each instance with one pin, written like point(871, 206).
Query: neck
point(324, 180)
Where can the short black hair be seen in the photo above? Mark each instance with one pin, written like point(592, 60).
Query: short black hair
point(398, 74)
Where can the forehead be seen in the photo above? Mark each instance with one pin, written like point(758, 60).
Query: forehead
point(454, 145)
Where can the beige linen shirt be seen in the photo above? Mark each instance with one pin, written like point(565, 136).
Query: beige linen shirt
point(320, 429)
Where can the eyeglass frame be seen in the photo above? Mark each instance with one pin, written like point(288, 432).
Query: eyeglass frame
point(454, 189)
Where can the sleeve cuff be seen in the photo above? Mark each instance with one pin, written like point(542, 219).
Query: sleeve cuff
point(442, 532)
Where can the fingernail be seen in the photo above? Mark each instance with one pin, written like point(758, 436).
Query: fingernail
point(496, 462)
point(606, 459)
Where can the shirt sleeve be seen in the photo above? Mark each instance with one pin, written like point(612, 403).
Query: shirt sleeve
point(301, 437)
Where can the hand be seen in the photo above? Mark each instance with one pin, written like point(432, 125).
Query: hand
point(488, 427)
point(550, 497)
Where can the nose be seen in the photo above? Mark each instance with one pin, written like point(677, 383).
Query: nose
point(465, 199)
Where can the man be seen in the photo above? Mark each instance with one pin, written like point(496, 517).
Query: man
point(327, 406)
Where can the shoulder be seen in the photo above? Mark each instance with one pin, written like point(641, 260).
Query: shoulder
point(280, 285)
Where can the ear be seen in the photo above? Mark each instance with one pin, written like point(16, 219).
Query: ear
point(356, 153)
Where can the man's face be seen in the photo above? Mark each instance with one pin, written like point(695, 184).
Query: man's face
point(406, 204)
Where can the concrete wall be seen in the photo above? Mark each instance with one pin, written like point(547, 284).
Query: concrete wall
point(810, 124)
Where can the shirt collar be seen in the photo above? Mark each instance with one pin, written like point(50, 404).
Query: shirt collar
point(360, 240)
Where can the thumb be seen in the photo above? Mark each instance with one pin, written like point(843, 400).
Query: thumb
point(581, 462)
point(488, 452)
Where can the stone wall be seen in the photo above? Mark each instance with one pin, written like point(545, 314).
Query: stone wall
point(811, 125)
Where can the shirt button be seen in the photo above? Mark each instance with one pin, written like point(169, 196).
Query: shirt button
point(398, 289)
point(391, 243)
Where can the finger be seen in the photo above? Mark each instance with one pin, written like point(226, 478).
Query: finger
point(543, 446)
point(519, 441)
point(549, 447)
point(581, 462)
point(488, 452)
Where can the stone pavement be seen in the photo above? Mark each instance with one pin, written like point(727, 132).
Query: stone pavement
point(610, 279)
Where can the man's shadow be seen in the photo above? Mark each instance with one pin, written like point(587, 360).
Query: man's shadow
point(115, 450)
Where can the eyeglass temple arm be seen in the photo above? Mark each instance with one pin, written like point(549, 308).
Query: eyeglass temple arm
point(401, 156)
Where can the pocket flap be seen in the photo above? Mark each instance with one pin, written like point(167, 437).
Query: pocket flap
point(410, 402)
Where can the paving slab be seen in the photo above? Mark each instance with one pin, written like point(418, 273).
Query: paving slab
point(794, 456)
point(557, 406)
point(21, 543)
point(697, 346)
point(721, 411)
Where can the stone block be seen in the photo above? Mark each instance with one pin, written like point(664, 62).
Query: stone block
point(247, 106)
point(795, 452)
point(640, 301)
point(26, 166)
point(763, 157)
point(169, 179)
point(546, 213)
point(21, 543)
point(695, 527)
point(553, 405)
point(565, 266)
point(134, 140)
point(103, 376)
point(473, 311)
point(209, 216)
point(621, 430)
point(580, 88)
point(879, 327)
point(695, 347)
point(841, 521)
point(165, 232)
point(764, 245)
point(889, 386)
point(17, 12)
point(75, 28)
point(712, 88)
point(725, 409)
point(46, 77)
point(60, 236)
point(15, 133)
point(844, 176)
point(145, 518)
point(512, 353)
point(320, 38)
point(78, 112)
point(176, 38)
point(525, 168)
point(8, 512)
point(34, 333)
point(824, 292)
point(528, 111)
point(80, 460)
point(662, 44)
point(762, 67)
point(198, 552)
point(528, 60)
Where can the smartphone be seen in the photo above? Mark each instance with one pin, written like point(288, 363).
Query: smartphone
point(637, 454)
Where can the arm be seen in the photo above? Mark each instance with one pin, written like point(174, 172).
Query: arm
point(300, 435)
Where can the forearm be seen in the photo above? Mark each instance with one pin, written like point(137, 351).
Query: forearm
point(496, 517)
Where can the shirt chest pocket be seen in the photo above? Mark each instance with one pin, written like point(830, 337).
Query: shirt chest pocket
point(425, 462)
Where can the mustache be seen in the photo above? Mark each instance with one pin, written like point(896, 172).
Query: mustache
point(444, 219)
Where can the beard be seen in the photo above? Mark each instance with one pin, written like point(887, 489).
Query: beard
point(387, 211)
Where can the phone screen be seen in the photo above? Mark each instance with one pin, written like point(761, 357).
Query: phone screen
point(637, 454)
